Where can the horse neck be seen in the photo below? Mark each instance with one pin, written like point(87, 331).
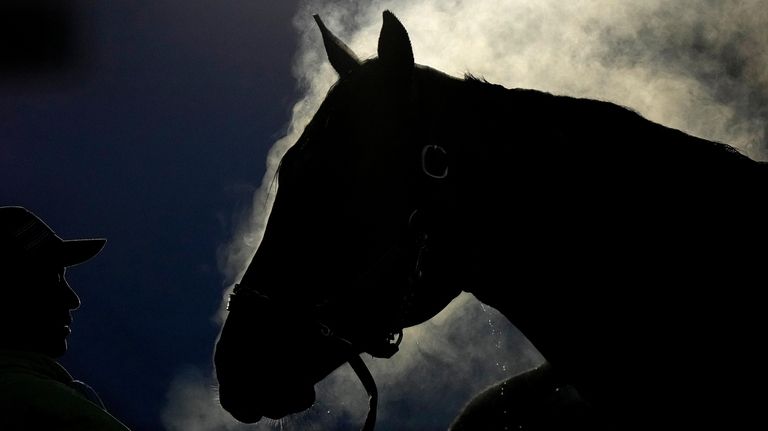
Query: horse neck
point(489, 153)
point(538, 177)
point(508, 168)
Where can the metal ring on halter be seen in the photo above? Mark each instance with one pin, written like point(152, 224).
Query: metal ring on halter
point(442, 153)
point(325, 331)
point(244, 293)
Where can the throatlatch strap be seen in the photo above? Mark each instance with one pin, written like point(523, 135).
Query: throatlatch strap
point(370, 386)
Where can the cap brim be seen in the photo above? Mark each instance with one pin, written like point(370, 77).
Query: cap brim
point(76, 251)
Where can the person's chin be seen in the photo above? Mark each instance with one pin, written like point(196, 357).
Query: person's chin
point(55, 348)
point(60, 351)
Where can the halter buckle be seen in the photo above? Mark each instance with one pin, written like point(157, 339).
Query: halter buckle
point(434, 161)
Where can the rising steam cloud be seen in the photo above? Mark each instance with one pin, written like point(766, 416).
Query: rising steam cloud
point(700, 66)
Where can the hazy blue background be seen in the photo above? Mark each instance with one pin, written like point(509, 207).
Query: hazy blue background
point(150, 128)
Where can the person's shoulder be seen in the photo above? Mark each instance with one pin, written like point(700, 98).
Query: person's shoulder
point(30, 401)
point(22, 384)
point(23, 391)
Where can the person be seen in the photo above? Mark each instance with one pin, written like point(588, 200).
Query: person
point(36, 392)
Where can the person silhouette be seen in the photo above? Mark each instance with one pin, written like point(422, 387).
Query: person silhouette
point(36, 392)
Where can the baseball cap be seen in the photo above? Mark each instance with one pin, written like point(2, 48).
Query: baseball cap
point(24, 236)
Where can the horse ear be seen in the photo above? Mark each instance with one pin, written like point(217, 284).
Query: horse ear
point(394, 44)
point(341, 57)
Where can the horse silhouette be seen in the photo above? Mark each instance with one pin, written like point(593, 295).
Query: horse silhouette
point(629, 253)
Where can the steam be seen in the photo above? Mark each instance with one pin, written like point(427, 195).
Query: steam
point(700, 66)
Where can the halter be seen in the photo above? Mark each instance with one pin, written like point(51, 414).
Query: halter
point(246, 296)
point(434, 164)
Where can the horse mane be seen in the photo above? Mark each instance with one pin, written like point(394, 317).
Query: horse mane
point(525, 122)
point(620, 129)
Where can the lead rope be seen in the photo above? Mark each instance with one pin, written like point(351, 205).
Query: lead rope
point(362, 372)
point(370, 386)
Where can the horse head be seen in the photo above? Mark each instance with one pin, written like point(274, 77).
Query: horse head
point(353, 251)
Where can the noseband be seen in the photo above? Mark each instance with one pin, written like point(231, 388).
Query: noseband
point(246, 297)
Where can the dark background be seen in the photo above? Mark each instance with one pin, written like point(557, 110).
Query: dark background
point(145, 122)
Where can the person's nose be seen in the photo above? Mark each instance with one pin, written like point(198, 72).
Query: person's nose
point(70, 297)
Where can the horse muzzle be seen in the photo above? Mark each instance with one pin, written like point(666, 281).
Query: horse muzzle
point(249, 403)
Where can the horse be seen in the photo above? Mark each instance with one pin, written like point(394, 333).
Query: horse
point(629, 253)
